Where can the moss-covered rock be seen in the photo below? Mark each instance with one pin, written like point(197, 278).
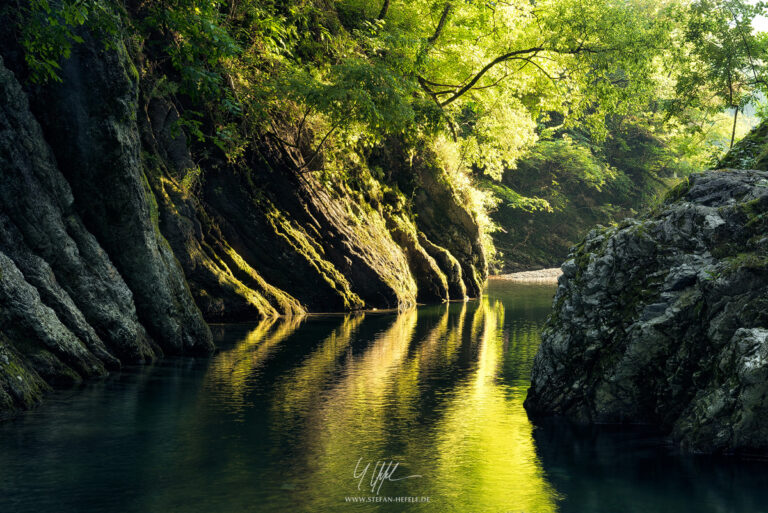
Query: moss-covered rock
point(20, 386)
point(45, 239)
point(90, 122)
point(332, 247)
point(431, 281)
point(448, 224)
point(116, 245)
point(224, 285)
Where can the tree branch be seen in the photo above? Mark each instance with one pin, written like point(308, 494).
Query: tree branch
point(319, 147)
point(528, 54)
point(301, 125)
point(441, 23)
point(737, 22)
point(431, 93)
point(486, 68)
point(279, 139)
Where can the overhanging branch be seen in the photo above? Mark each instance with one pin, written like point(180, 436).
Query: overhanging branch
point(502, 58)
point(527, 55)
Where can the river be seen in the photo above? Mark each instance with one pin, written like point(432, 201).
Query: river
point(421, 411)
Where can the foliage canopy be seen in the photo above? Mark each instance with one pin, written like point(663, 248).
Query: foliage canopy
point(611, 95)
point(488, 73)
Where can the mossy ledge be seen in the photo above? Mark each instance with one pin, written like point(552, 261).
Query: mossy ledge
point(116, 247)
point(664, 320)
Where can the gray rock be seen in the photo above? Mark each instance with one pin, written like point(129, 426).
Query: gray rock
point(90, 121)
point(54, 350)
point(43, 235)
point(663, 320)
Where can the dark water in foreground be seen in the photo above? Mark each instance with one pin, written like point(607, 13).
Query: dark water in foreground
point(279, 419)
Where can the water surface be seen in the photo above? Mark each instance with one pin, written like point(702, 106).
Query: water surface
point(280, 419)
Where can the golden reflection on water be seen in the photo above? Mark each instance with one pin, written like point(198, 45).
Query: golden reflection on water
point(425, 389)
point(230, 370)
point(486, 451)
point(296, 392)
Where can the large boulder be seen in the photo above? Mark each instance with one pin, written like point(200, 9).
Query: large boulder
point(664, 320)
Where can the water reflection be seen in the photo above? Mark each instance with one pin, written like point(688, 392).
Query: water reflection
point(231, 372)
point(485, 452)
point(424, 388)
point(627, 469)
point(278, 419)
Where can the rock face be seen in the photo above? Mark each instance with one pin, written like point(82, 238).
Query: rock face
point(269, 240)
point(65, 311)
point(116, 245)
point(452, 228)
point(664, 320)
point(89, 120)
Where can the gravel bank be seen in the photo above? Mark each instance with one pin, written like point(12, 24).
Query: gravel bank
point(540, 276)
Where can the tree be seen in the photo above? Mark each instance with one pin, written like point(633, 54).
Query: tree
point(730, 57)
point(487, 67)
point(487, 74)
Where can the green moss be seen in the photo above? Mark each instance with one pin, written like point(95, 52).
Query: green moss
point(678, 191)
point(751, 209)
point(154, 214)
point(749, 153)
point(133, 72)
point(756, 214)
point(554, 316)
point(639, 292)
point(699, 308)
point(641, 230)
point(263, 294)
point(749, 260)
point(28, 390)
point(154, 210)
point(303, 244)
point(725, 250)
point(582, 262)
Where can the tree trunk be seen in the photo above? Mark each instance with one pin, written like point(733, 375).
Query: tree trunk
point(733, 130)
point(384, 9)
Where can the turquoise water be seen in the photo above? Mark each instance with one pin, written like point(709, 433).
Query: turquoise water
point(420, 411)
